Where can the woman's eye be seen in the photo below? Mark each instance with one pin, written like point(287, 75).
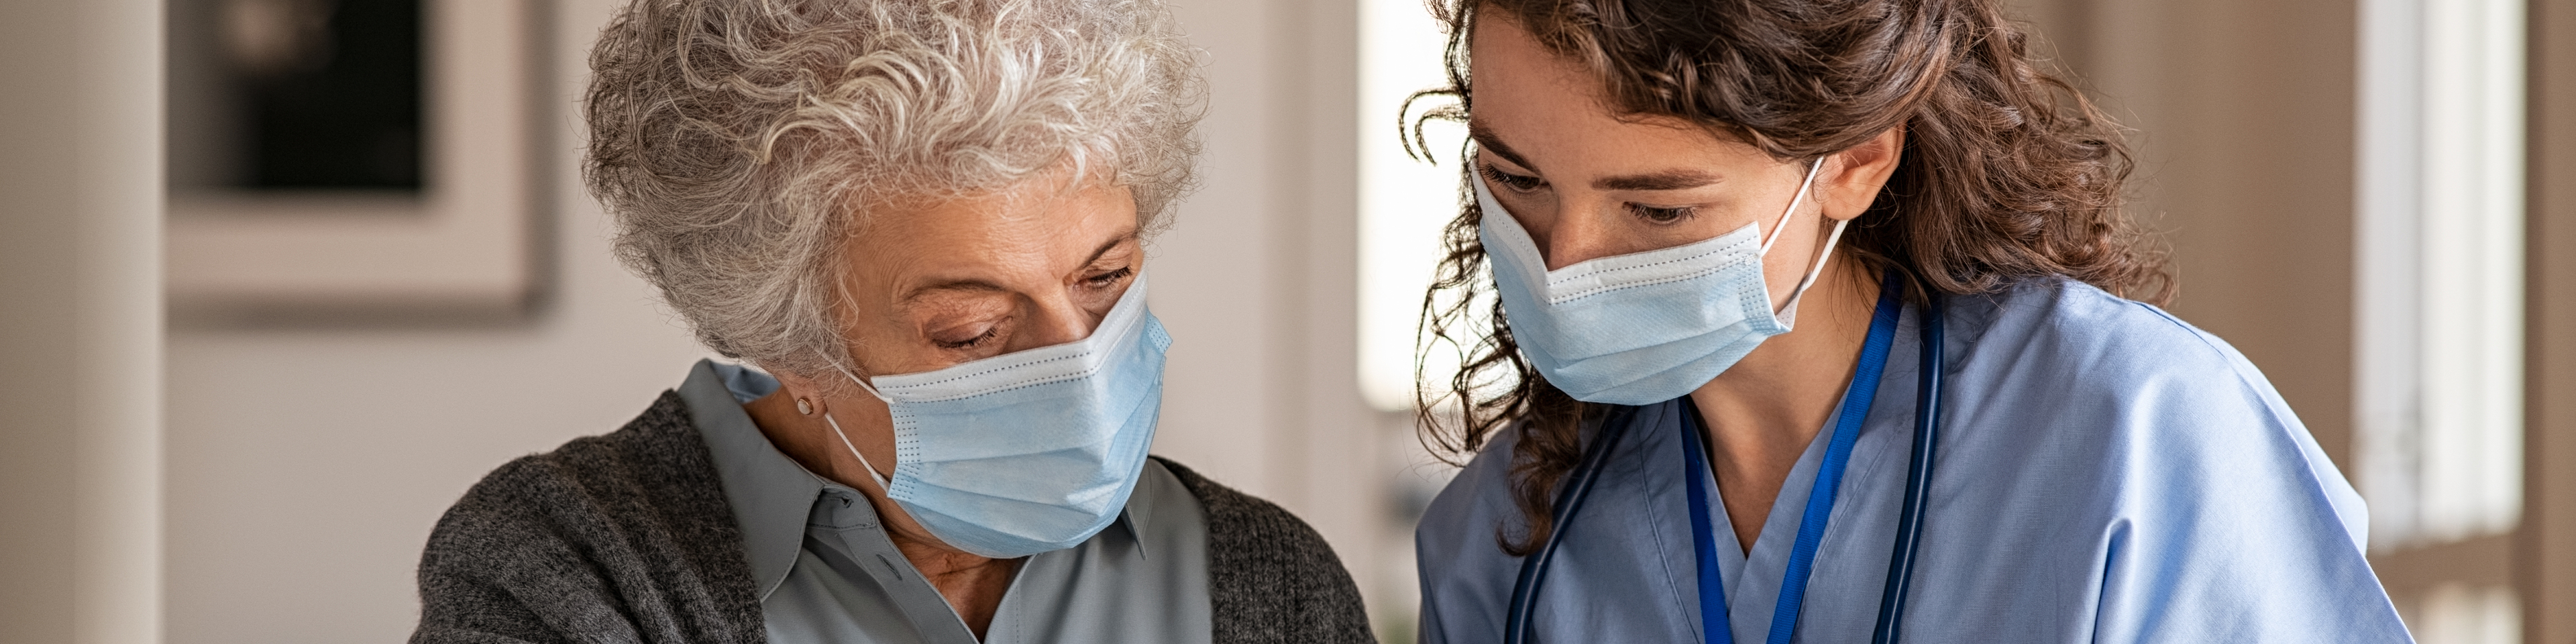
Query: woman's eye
point(1108, 279)
point(968, 343)
point(1514, 182)
point(1661, 215)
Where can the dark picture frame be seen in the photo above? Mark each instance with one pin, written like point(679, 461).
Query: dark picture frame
point(251, 237)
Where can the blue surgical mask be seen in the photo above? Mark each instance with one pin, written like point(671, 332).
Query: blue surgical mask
point(1027, 452)
point(1647, 327)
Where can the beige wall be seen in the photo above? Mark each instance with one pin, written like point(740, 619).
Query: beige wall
point(307, 465)
point(80, 322)
point(2546, 550)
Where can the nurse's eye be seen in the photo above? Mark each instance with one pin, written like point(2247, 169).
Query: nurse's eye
point(1661, 215)
point(1513, 182)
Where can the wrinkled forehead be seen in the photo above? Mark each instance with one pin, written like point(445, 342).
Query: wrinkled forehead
point(1026, 236)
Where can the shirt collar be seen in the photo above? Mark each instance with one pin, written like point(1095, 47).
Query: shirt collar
point(772, 495)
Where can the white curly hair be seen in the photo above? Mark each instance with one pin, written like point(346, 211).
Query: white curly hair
point(737, 142)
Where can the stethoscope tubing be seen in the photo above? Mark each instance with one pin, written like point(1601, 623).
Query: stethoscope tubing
point(1918, 479)
point(1909, 530)
point(1525, 590)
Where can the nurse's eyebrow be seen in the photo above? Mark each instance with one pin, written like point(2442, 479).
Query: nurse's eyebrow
point(1485, 139)
point(1665, 180)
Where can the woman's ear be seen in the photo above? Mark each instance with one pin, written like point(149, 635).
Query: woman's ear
point(1859, 173)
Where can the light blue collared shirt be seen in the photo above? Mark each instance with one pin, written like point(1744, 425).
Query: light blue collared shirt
point(827, 573)
point(2106, 473)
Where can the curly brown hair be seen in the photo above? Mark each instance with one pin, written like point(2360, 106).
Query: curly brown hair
point(2008, 173)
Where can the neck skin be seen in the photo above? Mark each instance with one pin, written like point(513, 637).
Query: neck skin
point(973, 585)
point(1763, 412)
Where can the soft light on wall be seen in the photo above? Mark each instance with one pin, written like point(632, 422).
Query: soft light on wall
point(1404, 202)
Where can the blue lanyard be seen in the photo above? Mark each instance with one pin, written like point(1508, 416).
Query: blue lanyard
point(1820, 498)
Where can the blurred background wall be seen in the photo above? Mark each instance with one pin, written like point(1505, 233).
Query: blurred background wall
point(271, 478)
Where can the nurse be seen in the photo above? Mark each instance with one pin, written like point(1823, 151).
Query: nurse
point(1821, 322)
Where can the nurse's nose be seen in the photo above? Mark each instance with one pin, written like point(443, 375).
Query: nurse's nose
point(1576, 235)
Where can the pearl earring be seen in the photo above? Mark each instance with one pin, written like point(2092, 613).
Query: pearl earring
point(803, 407)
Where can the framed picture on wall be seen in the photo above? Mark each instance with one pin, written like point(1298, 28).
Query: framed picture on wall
point(340, 158)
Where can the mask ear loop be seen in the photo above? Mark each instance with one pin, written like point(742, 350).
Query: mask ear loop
point(1795, 201)
point(845, 436)
point(1790, 309)
point(863, 382)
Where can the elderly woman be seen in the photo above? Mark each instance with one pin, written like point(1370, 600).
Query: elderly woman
point(922, 220)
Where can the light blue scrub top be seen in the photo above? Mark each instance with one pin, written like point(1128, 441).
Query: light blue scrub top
point(2106, 473)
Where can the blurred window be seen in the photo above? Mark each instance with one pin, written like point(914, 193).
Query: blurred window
point(2440, 270)
point(2439, 301)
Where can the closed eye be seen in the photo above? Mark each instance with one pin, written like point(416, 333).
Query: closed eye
point(1513, 182)
point(969, 343)
point(1109, 279)
point(1657, 215)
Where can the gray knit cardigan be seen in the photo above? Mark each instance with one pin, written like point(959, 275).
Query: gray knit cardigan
point(627, 537)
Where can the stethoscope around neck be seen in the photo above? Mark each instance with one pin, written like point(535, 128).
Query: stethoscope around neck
point(1900, 564)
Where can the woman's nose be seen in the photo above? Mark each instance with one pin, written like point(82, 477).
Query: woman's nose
point(1054, 323)
point(1577, 236)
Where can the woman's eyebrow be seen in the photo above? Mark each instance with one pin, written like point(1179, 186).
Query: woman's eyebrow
point(985, 286)
point(973, 285)
point(1486, 139)
point(1665, 180)
point(1105, 247)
